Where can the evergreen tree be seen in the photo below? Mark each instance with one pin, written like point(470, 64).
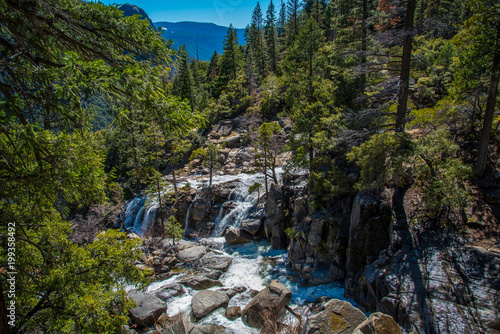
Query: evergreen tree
point(405, 68)
point(293, 14)
point(231, 58)
point(256, 41)
point(186, 78)
point(271, 37)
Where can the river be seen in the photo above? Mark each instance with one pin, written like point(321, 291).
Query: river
point(253, 266)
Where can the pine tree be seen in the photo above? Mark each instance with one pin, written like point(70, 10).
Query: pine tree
point(293, 13)
point(256, 39)
point(186, 90)
point(231, 58)
point(405, 68)
point(271, 37)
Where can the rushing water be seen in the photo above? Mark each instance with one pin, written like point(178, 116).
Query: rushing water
point(253, 266)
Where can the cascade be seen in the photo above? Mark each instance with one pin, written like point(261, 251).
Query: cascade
point(187, 217)
point(253, 266)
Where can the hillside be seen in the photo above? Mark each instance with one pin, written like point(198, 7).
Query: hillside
point(209, 37)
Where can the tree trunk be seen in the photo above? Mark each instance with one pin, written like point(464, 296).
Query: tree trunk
point(405, 68)
point(174, 179)
point(4, 325)
point(490, 110)
point(211, 171)
point(364, 47)
point(265, 173)
point(160, 206)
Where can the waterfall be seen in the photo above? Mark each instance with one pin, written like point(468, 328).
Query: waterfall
point(187, 217)
point(134, 212)
point(243, 203)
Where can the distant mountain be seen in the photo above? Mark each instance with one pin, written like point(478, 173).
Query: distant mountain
point(208, 36)
point(201, 39)
point(130, 10)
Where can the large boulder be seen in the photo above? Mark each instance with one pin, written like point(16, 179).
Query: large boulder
point(180, 325)
point(378, 323)
point(191, 254)
point(235, 236)
point(231, 141)
point(251, 226)
point(170, 291)
point(339, 317)
point(208, 329)
point(148, 308)
point(213, 261)
point(200, 282)
point(205, 302)
point(223, 128)
point(268, 304)
point(233, 312)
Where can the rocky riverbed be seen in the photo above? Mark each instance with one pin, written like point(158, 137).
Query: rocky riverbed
point(237, 289)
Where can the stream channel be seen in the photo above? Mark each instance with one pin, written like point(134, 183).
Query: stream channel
point(254, 265)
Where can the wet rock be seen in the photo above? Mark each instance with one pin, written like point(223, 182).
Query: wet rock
point(251, 226)
point(208, 329)
point(268, 303)
point(233, 312)
point(274, 225)
point(180, 325)
point(170, 291)
point(205, 302)
point(378, 323)
point(199, 282)
point(212, 261)
point(231, 292)
point(214, 274)
point(339, 317)
point(235, 236)
point(201, 208)
point(148, 308)
point(191, 254)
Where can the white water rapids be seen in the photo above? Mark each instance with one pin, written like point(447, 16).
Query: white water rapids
point(253, 266)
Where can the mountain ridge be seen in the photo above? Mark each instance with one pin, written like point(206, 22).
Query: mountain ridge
point(201, 38)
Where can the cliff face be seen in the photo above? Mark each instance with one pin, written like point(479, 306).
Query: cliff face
point(429, 280)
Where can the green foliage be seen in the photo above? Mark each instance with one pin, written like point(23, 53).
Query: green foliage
point(254, 187)
point(76, 288)
point(393, 159)
point(199, 153)
point(291, 233)
point(441, 176)
point(173, 229)
point(272, 100)
point(382, 160)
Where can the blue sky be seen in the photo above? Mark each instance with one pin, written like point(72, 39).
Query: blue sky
point(221, 12)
